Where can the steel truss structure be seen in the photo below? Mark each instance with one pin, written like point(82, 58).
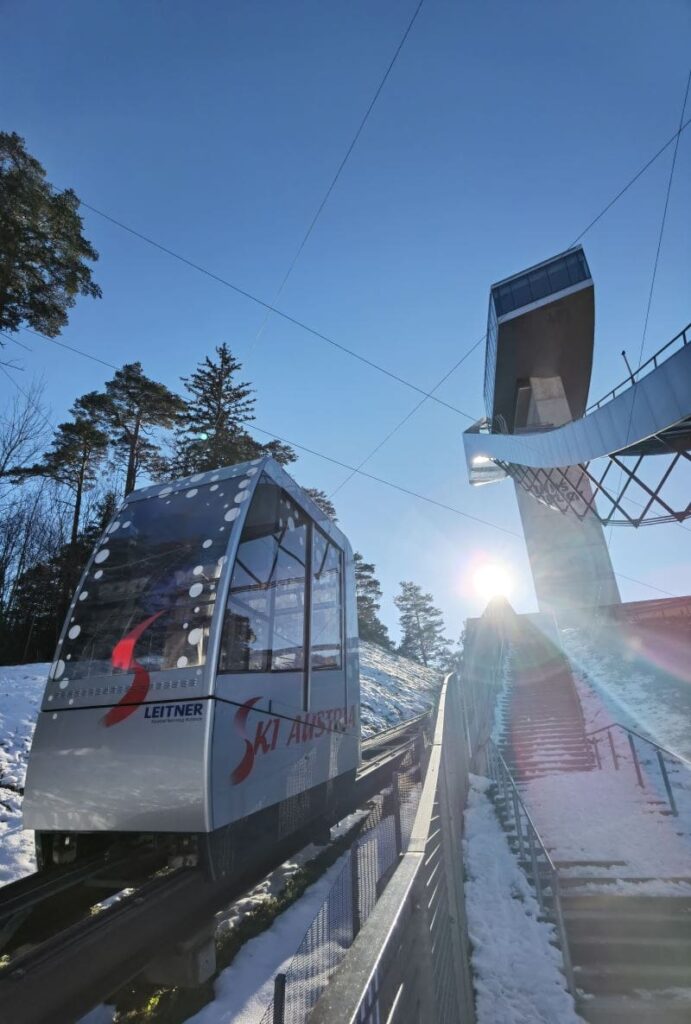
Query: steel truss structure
point(579, 489)
point(622, 462)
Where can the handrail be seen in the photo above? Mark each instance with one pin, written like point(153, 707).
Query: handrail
point(661, 751)
point(534, 839)
point(665, 750)
point(636, 374)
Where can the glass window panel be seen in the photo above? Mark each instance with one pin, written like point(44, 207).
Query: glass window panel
point(504, 299)
point(327, 621)
point(558, 276)
point(264, 627)
point(575, 268)
point(539, 284)
point(521, 292)
point(160, 560)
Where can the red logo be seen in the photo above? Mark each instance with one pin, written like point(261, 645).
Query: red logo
point(123, 657)
point(246, 763)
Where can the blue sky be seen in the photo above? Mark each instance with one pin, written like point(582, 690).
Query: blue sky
point(503, 129)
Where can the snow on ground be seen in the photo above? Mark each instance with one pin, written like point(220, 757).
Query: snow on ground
point(393, 689)
point(244, 990)
point(517, 968)
point(21, 692)
point(650, 698)
point(604, 815)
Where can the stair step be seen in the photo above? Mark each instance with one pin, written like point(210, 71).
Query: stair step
point(589, 863)
point(653, 1008)
point(569, 881)
point(631, 978)
point(649, 950)
point(618, 905)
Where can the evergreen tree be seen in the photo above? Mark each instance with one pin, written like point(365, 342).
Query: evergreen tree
point(43, 592)
point(136, 406)
point(368, 591)
point(212, 429)
point(76, 453)
point(422, 627)
point(321, 499)
point(43, 253)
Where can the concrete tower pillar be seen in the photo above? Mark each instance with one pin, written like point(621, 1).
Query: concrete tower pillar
point(568, 556)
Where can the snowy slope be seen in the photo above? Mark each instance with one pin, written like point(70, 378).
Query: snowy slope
point(517, 968)
point(21, 691)
point(634, 691)
point(392, 689)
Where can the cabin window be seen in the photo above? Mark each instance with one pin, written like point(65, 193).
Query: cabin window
point(327, 616)
point(264, 628)
point(152, 584)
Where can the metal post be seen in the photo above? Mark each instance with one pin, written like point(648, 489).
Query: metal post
point(517, 815)
point(563, 937)
point(613, 749)
point(596, 748)
point(536, 876)
point(396, 791)
point(355, 887)
point(668, 785)
point(279, 999)
point(634, 755)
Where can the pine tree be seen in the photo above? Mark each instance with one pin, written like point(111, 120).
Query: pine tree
point(212, 430)
point(76, 453)
point(422, 627)
point(43, 254)
point(136, 406)
point(321, 499)
point(368, 591)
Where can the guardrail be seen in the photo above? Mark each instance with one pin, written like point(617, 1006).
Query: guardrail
point(632, 736)
point(653, 363)
point(410, 960)
point(533, 855)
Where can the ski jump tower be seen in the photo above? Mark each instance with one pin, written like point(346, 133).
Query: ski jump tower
point(576, 470)
point(537, 373)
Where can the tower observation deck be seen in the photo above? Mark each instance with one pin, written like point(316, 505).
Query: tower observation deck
point(538, 362)
point(576, 467)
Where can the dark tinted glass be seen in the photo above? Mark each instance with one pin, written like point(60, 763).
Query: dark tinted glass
point(265, 619)
point(327, 640)
point(539, 284)
point(559, 276)
point(159, 564)
point(521, 292)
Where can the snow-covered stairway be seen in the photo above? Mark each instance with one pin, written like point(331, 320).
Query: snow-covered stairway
point(632, 956)
point(542, 723)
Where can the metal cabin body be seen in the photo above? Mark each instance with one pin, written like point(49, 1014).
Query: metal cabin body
point(208, 668)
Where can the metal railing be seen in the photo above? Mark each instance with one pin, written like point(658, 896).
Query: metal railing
point(652, 363)
point(532, 852)
point(631, 736)
point(411, 960)
point(366, 868)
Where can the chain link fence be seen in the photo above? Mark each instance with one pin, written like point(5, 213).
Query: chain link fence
point(367, 866)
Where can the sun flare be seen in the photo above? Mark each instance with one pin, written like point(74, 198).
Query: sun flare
point(492, 580)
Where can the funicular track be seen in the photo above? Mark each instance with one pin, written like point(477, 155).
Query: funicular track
point(66, 974)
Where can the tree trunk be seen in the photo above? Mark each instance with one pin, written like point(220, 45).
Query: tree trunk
point(76, 514)
point(423, 652)
point(131, 476)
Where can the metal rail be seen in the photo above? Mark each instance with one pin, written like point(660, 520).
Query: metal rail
point(660, 751)
point(533, 854)
point(685, 336)
point(410, 960)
